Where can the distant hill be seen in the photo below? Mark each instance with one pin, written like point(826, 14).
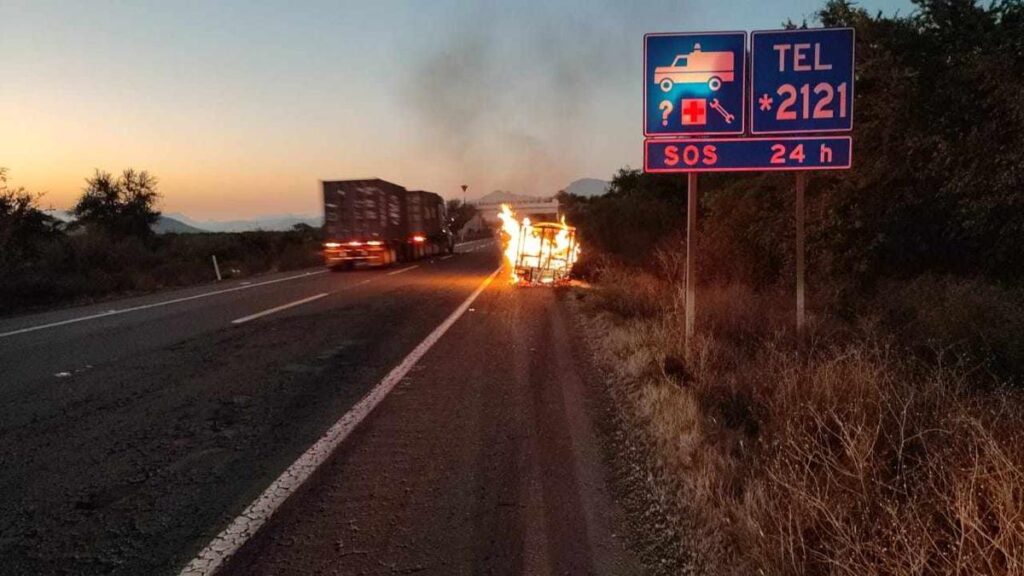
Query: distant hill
point(588, 187)
point(164, 225)
point(276, 222)
point(504, 196)
point(62, 215)
point(167, 225)
point(177, 223)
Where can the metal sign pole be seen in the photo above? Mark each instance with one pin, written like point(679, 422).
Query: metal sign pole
point(691, 255)
point(801, 186)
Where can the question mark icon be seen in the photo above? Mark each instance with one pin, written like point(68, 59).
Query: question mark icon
point(666, 109)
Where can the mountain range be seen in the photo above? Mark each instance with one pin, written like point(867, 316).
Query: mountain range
point(273, 222)
point(177, 223)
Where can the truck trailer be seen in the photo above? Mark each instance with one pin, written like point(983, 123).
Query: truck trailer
point(377, 223)
point(427, 224)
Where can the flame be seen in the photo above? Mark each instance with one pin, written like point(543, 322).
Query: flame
point(542, 253)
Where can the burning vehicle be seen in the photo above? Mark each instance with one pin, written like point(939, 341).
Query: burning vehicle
point(541, 253)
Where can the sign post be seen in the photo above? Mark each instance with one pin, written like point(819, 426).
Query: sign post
point(695, 108)
point(801, 82)
point(694, 85)
point(691, 255)
point(801, 186)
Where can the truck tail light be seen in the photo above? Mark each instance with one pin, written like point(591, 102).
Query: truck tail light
point(419, 238)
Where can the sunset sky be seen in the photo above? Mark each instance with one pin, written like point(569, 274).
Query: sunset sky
point(241, 107)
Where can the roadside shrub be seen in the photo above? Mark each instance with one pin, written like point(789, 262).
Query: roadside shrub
point(93, 265)
point(964, 320)
point(852, 456)
point(870, 464)
point(631, 293)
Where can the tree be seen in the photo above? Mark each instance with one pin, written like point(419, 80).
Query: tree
point(23, 226)
point(122, 206)
point(459, 214)
point(937, 184)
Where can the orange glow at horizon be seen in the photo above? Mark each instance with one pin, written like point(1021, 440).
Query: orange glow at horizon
point(206, 169)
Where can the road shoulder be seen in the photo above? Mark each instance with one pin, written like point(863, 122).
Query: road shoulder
point(655, 529)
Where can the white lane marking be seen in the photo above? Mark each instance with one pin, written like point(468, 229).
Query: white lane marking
point(225, 544)
point(446, 257)
point(474, 242)
point(300, 302)
point(155, 304)
point(403, 270)
point(269, 311)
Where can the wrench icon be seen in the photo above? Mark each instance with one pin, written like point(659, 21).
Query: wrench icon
point(725, 113)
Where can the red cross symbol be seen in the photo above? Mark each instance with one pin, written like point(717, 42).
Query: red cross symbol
point(694, 111)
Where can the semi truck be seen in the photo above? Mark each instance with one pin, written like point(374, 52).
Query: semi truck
point(374, 222)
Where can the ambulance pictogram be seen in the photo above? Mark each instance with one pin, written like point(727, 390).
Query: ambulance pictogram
point(697, 67)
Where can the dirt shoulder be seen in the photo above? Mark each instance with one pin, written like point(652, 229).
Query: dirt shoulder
point(657, 527)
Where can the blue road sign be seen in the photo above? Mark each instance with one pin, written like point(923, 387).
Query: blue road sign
point(748, 154)
point(801, 81)
point(694, 84)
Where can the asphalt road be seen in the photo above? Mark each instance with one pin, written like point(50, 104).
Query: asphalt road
point(133, 432)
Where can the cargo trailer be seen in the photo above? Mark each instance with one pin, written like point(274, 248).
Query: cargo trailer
point(427, 221)
point(364, 222)
point(377, 223)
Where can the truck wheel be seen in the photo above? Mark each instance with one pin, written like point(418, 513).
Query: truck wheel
point(715, 83)
point(666, 84)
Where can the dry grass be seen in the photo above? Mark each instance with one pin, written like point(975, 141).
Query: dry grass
point(851, 457)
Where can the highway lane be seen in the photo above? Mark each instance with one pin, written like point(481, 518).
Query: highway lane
point(484, 460)
point(196, 295)
point(171, 418)
point(36, 347)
